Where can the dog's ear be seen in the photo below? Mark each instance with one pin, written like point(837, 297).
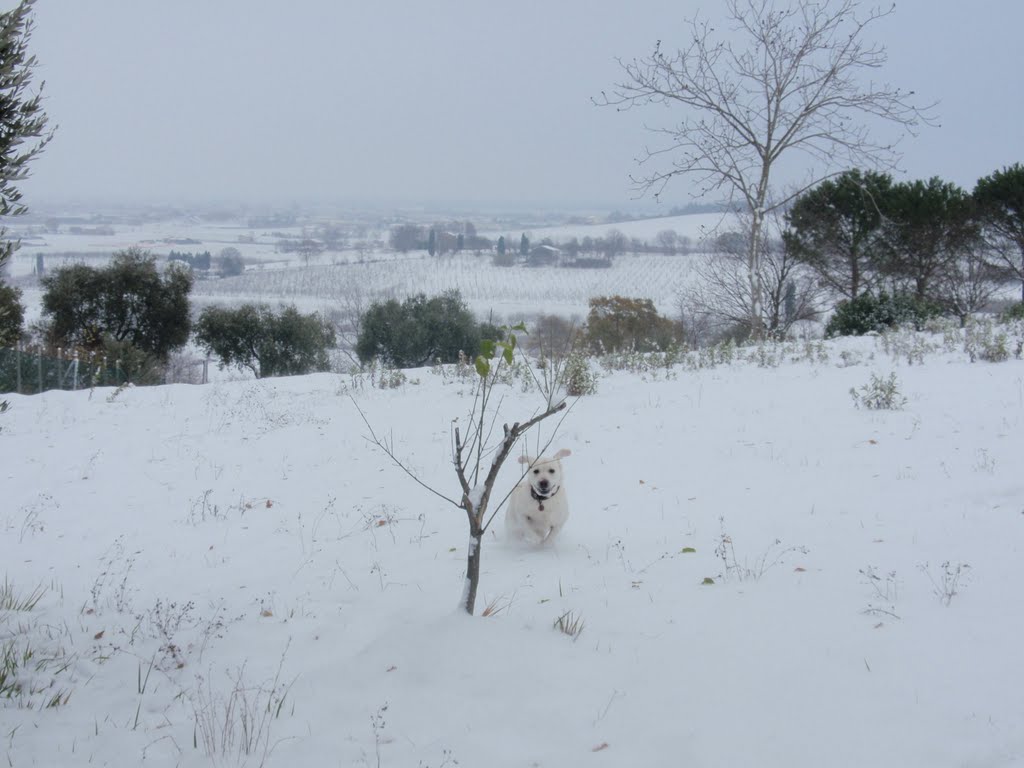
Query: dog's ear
point(524, 459)
point(563, 453)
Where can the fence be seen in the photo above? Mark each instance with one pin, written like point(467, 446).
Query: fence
point(29, 372)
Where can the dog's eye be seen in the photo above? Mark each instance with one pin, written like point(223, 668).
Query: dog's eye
point(552, 471)
point(536, 471)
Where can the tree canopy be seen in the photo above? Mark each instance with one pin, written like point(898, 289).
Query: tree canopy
point(268, 343)
point(129, 300)
point(837, 229)
point(418, 331)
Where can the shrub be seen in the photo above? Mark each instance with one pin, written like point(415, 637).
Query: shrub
point(1013, 312)
point(253, 336)
point(579, 379)
point(871, 314)
point(131, 364)
point(879, 394)
point(617, 323)
point(418, 331)
point(983, 340)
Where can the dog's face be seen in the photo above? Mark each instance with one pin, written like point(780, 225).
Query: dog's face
point(545, 474)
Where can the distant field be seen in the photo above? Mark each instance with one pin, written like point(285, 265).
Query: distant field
point(341, 278)
point(505, 290)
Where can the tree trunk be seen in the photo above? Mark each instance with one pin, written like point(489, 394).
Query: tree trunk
point(472, 570)
point(754, 275)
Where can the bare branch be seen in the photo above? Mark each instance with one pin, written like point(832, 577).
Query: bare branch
point(389, 452)
point(784, 80)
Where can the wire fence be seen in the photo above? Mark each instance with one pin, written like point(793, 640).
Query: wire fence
point(29, 372)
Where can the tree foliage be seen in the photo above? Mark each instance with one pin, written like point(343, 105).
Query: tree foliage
point(12, 315)
point(618, 323)
point(128, 300)
point(930, 226)
point(837, 230)
point(23, 131)
point(418, 331)
point(268, 343)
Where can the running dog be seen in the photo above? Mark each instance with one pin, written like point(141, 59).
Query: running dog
point(538, 507)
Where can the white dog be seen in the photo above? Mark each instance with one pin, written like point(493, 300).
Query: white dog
point(538, 508)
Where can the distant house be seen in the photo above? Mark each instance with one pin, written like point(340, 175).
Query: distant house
point(543, 256)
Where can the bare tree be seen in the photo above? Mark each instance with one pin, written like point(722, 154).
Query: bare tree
point(968, 283)
point(668, 241)
point(783, 82)
point(721, 300)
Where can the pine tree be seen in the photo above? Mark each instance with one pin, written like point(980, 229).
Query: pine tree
point(1000, 199)
point(501, 245)
point(21, 114)
point(524, 245)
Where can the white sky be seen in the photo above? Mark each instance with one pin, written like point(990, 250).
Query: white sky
point(452, 101)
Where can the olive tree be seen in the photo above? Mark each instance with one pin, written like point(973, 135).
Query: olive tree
point(23, 131)
point(779, 80)
point(129, 300)
point(268, 343)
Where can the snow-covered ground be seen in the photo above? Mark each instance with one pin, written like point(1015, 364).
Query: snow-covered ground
point(765, 574)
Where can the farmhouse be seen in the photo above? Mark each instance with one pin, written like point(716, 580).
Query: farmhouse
point(543, 256)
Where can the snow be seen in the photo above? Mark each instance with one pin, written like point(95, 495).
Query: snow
point(226, 545)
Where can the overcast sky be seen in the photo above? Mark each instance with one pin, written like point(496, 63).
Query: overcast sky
point(448, 101)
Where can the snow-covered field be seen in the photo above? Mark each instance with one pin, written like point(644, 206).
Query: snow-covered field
point(364, 274)
point(508, 291)
point(765, 574)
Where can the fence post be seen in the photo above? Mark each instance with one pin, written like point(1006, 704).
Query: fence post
point(206, 366)
point(60, 368)
point(17, 363)
point(74, 365)
point(39, 369)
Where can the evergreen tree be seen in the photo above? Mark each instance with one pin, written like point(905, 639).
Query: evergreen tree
point(1000, 201)
point(524, 245)
point(432, 243)
point(836, 229)
point(501, 245)
point(931, 224)
point(22, 119)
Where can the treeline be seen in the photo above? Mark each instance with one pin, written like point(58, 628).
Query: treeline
point(132, 315)
point(229, 261)
point(589, 251)
point(864, 234)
